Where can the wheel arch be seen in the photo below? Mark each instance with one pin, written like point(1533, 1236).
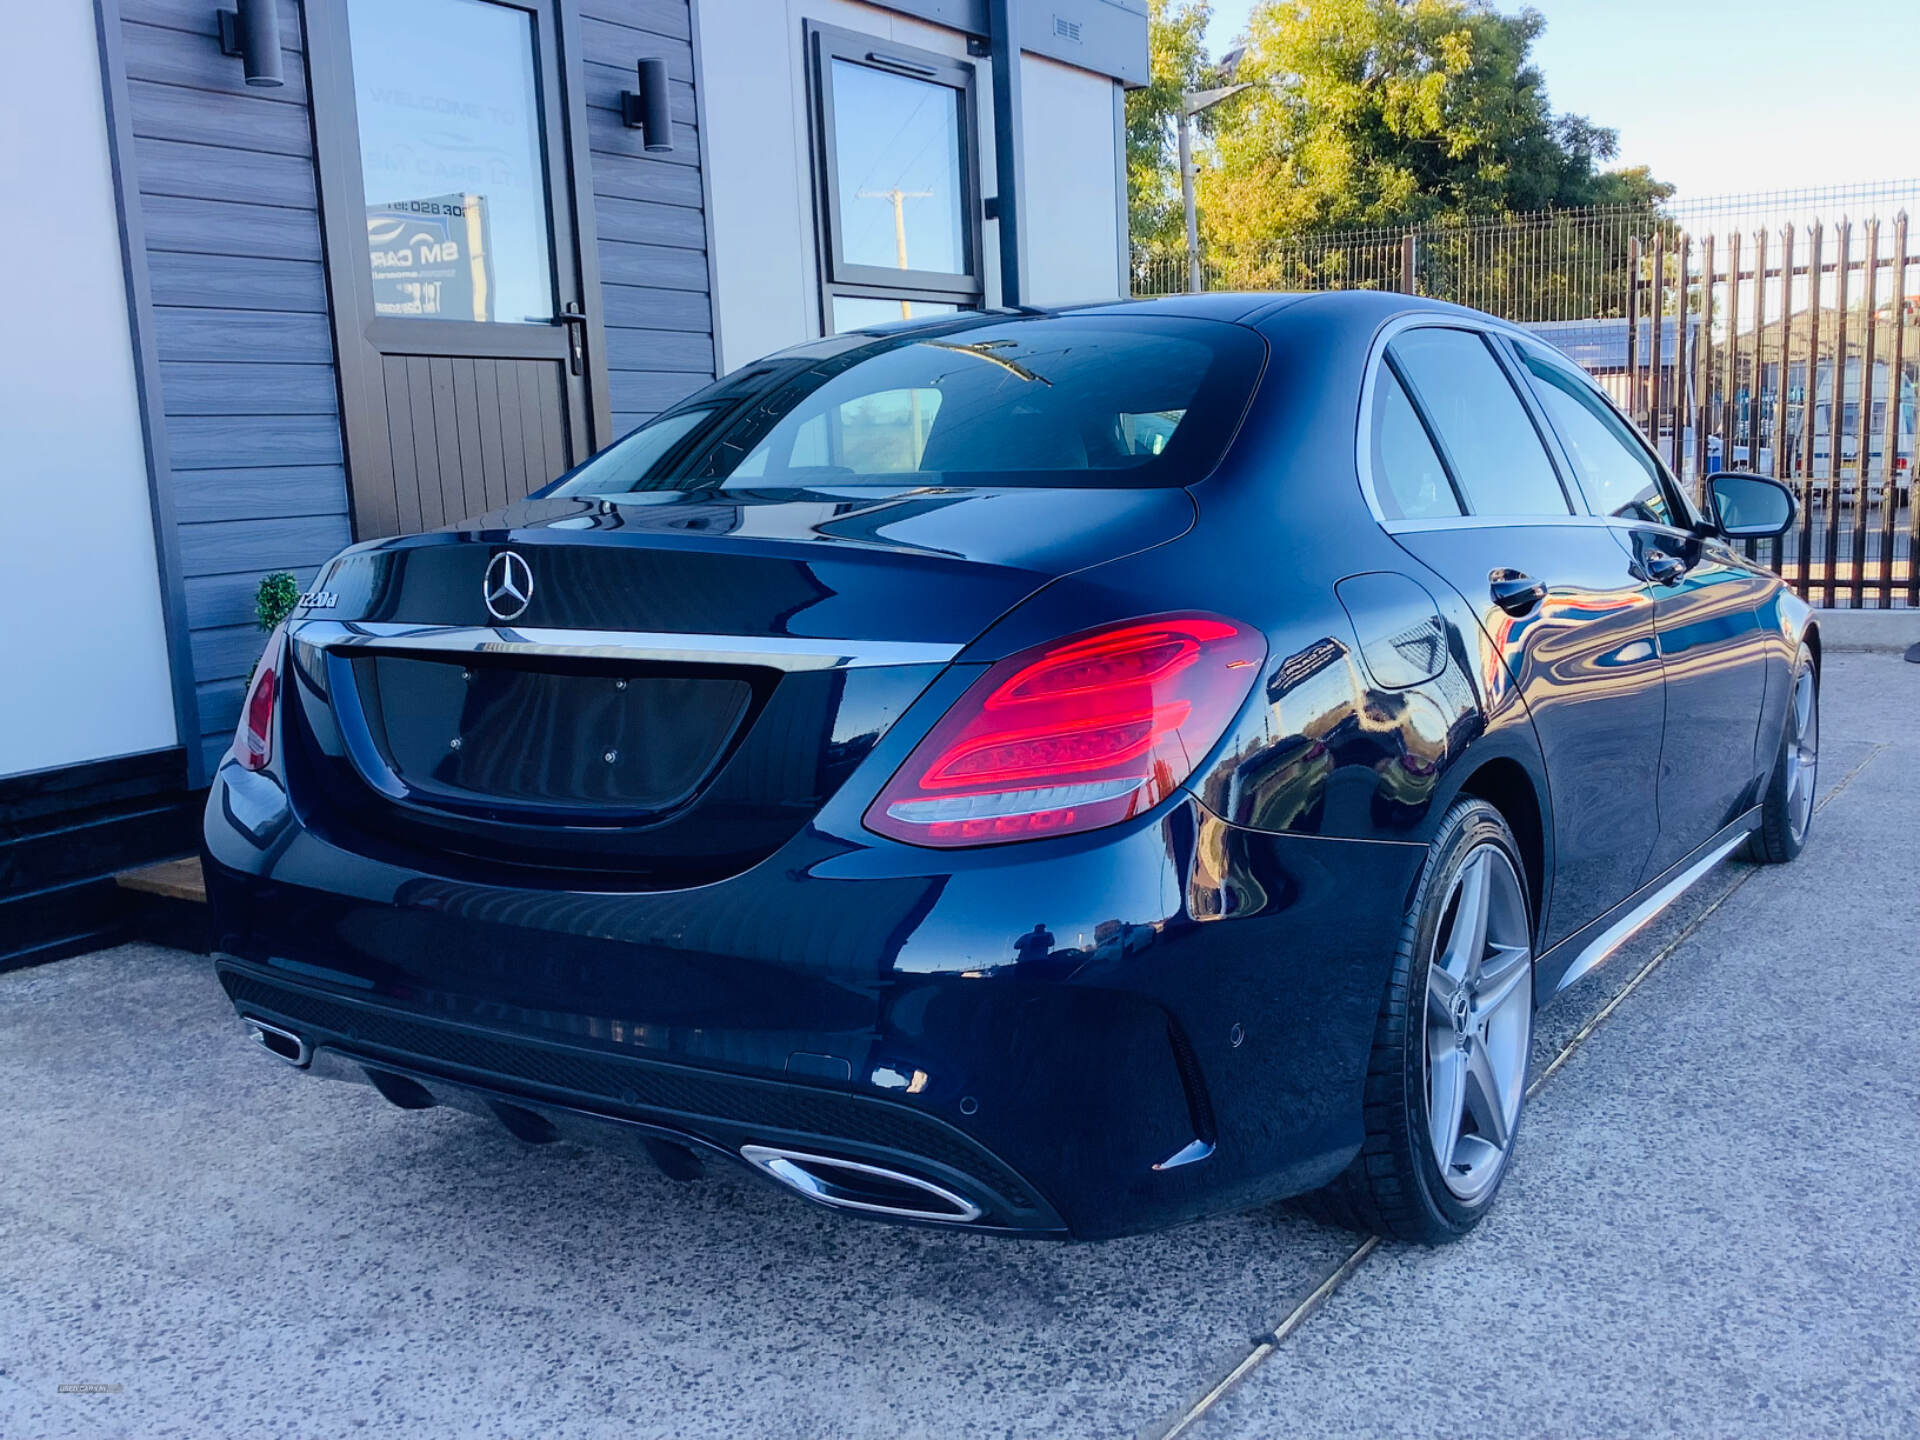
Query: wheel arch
point(1504, 783)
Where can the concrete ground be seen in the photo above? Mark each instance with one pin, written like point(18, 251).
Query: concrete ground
point(1710, 1229)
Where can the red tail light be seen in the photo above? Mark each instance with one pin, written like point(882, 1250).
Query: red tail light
point(253, 744)
point(1074, 734)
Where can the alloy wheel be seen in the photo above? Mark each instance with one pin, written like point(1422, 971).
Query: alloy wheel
point(1803, 752)
point(1479, 1022)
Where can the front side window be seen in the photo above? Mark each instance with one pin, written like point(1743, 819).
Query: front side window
point(1044, 401)
point(897, 181)
point(1495, 454)
point(1614, 469)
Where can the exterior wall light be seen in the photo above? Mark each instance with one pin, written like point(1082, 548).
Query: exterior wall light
point(646, 109)
point(253, 33)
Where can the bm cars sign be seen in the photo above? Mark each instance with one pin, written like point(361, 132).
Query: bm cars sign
point(430, 258)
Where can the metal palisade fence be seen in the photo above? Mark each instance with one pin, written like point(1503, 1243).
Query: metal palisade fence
point(1752, 332)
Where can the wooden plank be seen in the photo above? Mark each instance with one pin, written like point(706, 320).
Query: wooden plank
point(416, 421)
point(219, 702)
point(647, 392)
point(445, 422)
point(654, 17)
point(214, 388)
point(231, 122)
point(167, 167)
point(553, 412)
point(259, 492)
point(473, 474)
point(630, 349)
point(174, 879)
point(532, 431)
point(513, 453)
point(633, 307)
point(624, 178)
point(220, 227)
point(231, 442)
point(214, 601)
point(241, 335)
point(226, 653)
point(622, 46)
point(174, 57)
point(636, 222)
point(406, 480)
point(223, 547)
point(196, 17)
point(230, 282)
point(654, 267)
point(486, 395)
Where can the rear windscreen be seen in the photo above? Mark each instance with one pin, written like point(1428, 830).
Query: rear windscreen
point(1046, 401)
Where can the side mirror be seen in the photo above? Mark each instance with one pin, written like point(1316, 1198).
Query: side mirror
point(1750, 507)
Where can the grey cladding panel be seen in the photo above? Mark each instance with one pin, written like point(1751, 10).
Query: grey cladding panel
point(225, 184)
point(649, 216)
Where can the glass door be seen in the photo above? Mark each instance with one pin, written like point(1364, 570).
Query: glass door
point(449, 206)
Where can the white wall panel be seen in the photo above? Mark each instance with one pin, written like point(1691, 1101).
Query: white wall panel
point(1073, 247)
point(83, 655)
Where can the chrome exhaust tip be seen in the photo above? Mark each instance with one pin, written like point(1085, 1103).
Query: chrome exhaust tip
point(281, 1044)
point(856, 1185)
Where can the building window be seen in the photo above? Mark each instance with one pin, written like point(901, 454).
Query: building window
point(897, 171)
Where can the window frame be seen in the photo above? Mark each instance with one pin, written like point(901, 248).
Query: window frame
point(1670, 488)
point(838, 276)
point(1571, 495)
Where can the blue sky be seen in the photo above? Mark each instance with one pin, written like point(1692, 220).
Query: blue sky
point(1726, 96)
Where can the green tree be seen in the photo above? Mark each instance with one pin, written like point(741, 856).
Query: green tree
point(1395, 113)
point(1177, 62)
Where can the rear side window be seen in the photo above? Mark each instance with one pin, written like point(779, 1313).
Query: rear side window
point(1495, 453)
point(1614, 470)
point(1409, 480)
point(1047, 401)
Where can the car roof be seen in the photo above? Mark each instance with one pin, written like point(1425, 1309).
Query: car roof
point(1364, 309)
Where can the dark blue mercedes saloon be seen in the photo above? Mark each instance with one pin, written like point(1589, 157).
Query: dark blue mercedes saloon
point(1049, 773)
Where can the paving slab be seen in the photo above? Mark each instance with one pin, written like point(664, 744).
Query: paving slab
point(1713, 1224)
point(247, 1250)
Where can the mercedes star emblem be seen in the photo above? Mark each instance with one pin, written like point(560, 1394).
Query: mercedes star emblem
point(508, 586)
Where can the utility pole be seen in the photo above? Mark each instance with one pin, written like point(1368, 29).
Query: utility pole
point(1192, 102)
point(899, 198)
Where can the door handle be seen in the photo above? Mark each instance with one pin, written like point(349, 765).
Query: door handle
point(575, 319)
point(1514, 592)
point(1662, 568)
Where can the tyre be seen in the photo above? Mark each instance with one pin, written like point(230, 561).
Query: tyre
point(1447, 1078)
point(1786, 812)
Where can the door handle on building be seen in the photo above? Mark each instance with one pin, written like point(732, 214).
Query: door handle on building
point(575, 319)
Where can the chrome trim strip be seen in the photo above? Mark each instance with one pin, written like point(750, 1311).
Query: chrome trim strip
point(1618, 933)
point(780, 652)
point(303, 1052)
point(789, 1168)
point(1501, 522)
point(1362, 437)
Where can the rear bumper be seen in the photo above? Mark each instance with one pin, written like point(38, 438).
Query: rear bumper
point(622, 1102)
point(1209, 995)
